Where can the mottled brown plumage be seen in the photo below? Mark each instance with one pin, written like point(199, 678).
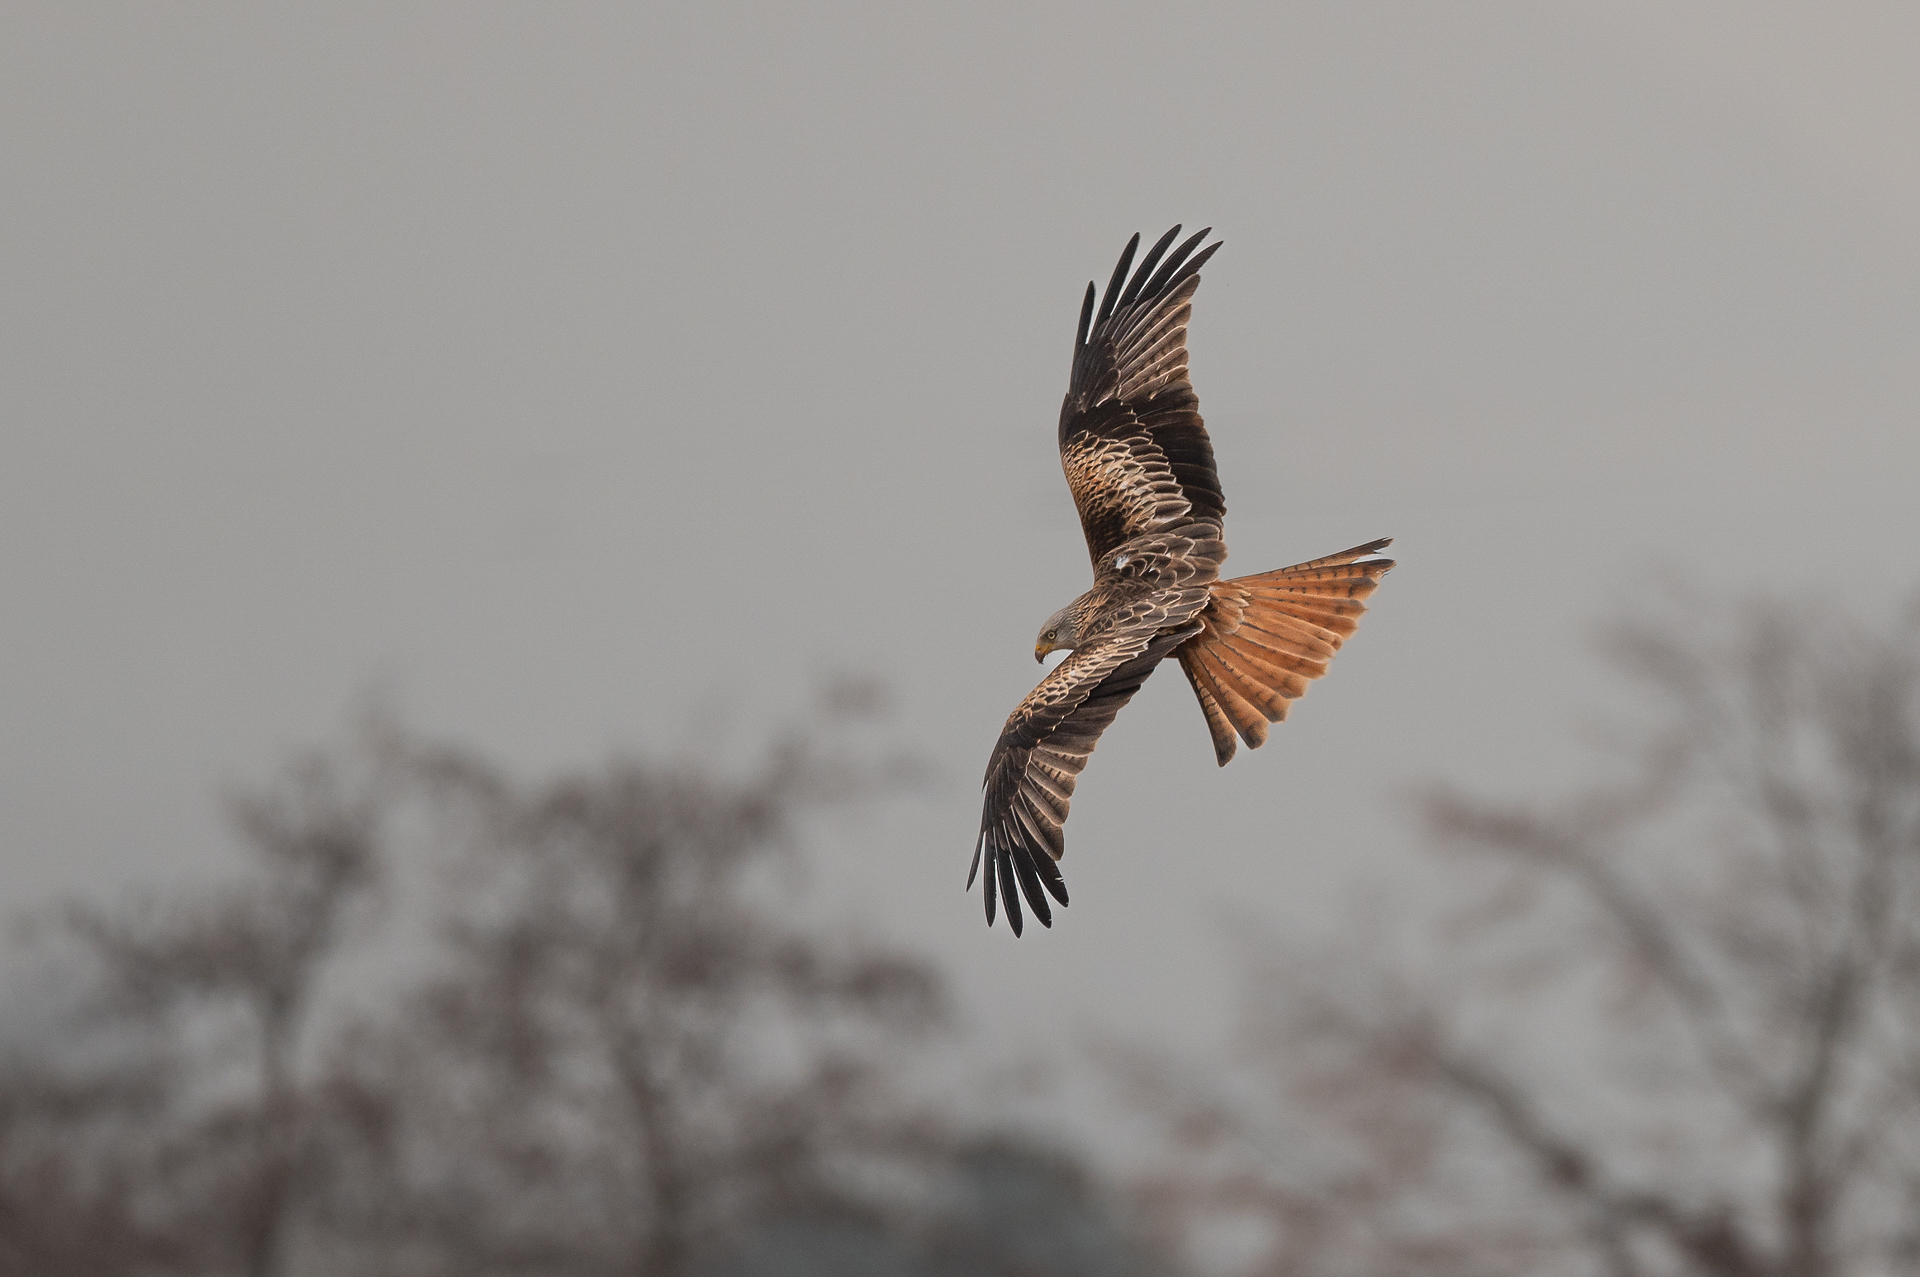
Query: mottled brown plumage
point(1140, 466)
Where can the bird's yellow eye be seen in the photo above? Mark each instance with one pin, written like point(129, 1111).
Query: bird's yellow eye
point(1048, 636)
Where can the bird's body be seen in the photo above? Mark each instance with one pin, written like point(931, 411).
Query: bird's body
point(1140, 465)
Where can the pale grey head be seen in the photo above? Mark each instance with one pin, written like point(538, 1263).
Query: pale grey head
point(1062, 632)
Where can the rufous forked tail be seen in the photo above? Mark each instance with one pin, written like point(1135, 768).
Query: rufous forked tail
point(1265, 637)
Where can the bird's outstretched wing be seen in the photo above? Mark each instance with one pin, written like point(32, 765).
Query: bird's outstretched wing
point(1131, 440)
point(1044, 747)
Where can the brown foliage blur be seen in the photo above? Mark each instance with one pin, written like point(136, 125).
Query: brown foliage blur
point(1672, 1026)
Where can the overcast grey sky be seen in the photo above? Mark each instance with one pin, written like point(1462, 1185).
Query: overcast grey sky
point(593, 376)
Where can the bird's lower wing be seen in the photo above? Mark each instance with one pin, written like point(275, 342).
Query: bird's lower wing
point(1040, 755)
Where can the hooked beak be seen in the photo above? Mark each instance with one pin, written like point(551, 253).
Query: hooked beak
point(1040, 651)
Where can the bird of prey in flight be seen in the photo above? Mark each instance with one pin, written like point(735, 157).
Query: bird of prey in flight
point(1141, 468)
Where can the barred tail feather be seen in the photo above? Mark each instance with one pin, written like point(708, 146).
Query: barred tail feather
point(1219, 726)
point(1265, 637)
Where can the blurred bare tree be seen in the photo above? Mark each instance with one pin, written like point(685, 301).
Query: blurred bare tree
point(1676, 1030)
point(176, 1129)
point(637, 1048)
point(64, 1209)
point(621, 1039)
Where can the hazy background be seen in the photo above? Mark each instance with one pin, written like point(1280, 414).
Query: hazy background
point(581, 377)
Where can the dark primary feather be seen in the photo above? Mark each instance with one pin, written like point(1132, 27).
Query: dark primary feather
point(1132, 441)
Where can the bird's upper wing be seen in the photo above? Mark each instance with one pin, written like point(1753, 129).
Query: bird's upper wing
point(1045, 745)
point(1131, 440)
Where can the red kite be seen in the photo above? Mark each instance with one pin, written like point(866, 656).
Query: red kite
point(1141, 468)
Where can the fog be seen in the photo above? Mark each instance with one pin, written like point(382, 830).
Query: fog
point(595, 379)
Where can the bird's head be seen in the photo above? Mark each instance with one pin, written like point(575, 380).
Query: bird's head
point(1061, 633)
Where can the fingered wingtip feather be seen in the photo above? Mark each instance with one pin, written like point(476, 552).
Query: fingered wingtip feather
point(1200, 259)
point(990, 891)
point(1051, 877)
point(1119, 278)
point(1139, 286)
point(1008, 889)
point(1029, 876)
point(1172, 270)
